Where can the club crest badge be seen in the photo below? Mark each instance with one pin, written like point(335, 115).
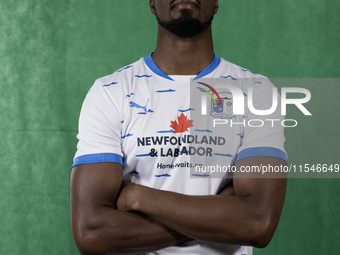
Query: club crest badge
point(224, 110)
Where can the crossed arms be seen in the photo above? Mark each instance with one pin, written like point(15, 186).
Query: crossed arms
point(113, 217)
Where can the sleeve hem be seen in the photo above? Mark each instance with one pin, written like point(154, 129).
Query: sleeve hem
point(261, 151)
point(98, 158)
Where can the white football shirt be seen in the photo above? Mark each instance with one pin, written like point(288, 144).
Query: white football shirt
point(140, 118)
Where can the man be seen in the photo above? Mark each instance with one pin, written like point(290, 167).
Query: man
point(139, 115)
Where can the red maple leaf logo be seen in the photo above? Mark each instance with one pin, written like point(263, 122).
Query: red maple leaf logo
point(182, 125)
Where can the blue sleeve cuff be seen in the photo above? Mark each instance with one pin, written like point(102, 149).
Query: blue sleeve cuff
point(98, 158)
point(262, 151)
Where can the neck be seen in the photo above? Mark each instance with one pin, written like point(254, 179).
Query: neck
point(183, 56)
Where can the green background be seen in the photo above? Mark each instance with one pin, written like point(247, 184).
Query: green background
point(52, 51)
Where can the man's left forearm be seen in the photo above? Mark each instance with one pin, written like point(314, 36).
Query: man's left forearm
point(227, 219)
point(249, 217)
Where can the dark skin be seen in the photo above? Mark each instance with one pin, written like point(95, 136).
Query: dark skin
point(98, 227)
point(183, 56)
point(110, 216)
point(245, 213)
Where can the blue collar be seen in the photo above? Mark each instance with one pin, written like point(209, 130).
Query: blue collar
point(210, 68)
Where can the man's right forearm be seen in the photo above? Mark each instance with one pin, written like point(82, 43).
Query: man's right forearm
point(114, 232)
point(98, 227)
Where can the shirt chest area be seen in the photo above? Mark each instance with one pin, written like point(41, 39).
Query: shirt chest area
point(162, 133)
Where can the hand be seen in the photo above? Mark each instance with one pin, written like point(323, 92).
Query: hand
point(127, 199)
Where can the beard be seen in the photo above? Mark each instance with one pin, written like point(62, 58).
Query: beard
point(185, 26)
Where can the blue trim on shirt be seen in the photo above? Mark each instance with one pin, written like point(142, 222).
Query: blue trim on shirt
point(210, 68)
point(262, 151)
point(98, 158)
point(152, 65)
